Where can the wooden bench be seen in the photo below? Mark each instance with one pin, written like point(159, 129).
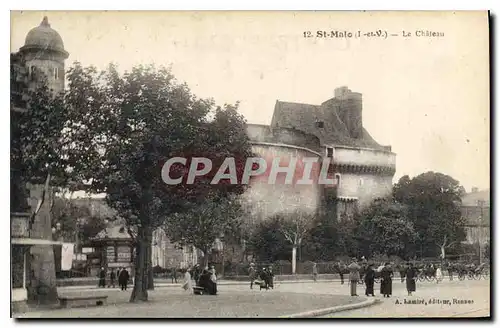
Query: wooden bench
point(83, 301)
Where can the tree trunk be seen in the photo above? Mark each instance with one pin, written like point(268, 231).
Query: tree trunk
point(443, 252)
point(151, 285)
point(42, 287)
point(294, 258)
point(205, 259)
point(140, 291)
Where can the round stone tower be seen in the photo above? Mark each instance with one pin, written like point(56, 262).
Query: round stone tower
point(44, 54)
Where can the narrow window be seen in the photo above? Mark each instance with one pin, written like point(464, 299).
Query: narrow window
point(329, 152)
point(56, 73)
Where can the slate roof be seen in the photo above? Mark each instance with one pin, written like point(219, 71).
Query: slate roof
point(303, 117)
point(115, 232)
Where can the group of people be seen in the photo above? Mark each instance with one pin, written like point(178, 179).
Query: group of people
point(122, 275)
point(385, 272)
point(368, 272)
point(205, 279)
point(264, 278)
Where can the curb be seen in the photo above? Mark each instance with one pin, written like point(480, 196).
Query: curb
point(321, 312)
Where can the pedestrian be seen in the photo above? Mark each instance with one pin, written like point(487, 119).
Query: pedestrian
point(102, 278)
point(369, 280)
point(386, 280)
point(213, 278)
point(341, 270)
point(354, 276)
point(187, 284)
point(123, 279)
point(411, 277)
point(439, 274)
point(315, 272)
point(196, 273)
point(252, 274)
point(112, 278)
point(264, 279)
point(450, 270)
point(174, 274)
point(270, 277)
point(402, 272)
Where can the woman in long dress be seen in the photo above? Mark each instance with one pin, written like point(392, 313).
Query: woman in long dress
point(411, 276)
point(386, 280)
point(439, 274)
point(187, 284)
point(369, 281)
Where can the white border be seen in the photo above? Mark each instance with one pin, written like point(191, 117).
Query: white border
point(195, 5)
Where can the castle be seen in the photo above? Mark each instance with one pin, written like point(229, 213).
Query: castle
point(363, 169)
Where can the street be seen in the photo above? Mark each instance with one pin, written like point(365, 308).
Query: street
point(285, 299)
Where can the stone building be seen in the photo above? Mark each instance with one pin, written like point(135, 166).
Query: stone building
point(42, 56)
point(476, 211)
point(362, 168)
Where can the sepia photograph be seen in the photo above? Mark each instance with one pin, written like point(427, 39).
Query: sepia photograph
point(250, 164)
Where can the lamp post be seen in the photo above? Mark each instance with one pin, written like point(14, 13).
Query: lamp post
point(480, 230)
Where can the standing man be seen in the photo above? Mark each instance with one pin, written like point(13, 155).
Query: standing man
point(450, 270)
point(196, 273)
point(315, 272)
point(369, 280)
point(174, 274)
point(252, 274)
point(123, 279)
point(340, 270)
point(270, 274)
point(354, 276)
point(402, 272)
point(112, 278)
point(102, 278)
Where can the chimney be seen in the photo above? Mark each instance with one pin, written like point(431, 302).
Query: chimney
point(474, 189)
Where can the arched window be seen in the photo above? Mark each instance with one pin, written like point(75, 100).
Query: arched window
point(337, 180)
point(32, 73)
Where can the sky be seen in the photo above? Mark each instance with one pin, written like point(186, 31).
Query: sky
point(427, 97)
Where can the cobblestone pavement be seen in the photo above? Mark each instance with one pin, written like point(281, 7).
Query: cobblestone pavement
point(446, 299)
point(285, 299)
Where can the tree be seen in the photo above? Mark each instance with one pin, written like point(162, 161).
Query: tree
point(294, 227)
point(37, 162)
point(267, 243)
point(433, 201)
point(205, 223)
point(124, 129)
point(77, 222)
point(384, 228)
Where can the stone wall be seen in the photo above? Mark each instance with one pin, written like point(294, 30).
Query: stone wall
point(366, 187)
point(267, 200)
point(363, 156)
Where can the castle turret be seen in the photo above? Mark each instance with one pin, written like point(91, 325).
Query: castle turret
point(350, 111)
point(44, 53)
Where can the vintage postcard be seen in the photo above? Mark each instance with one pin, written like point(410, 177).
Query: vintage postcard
point(257, 164)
